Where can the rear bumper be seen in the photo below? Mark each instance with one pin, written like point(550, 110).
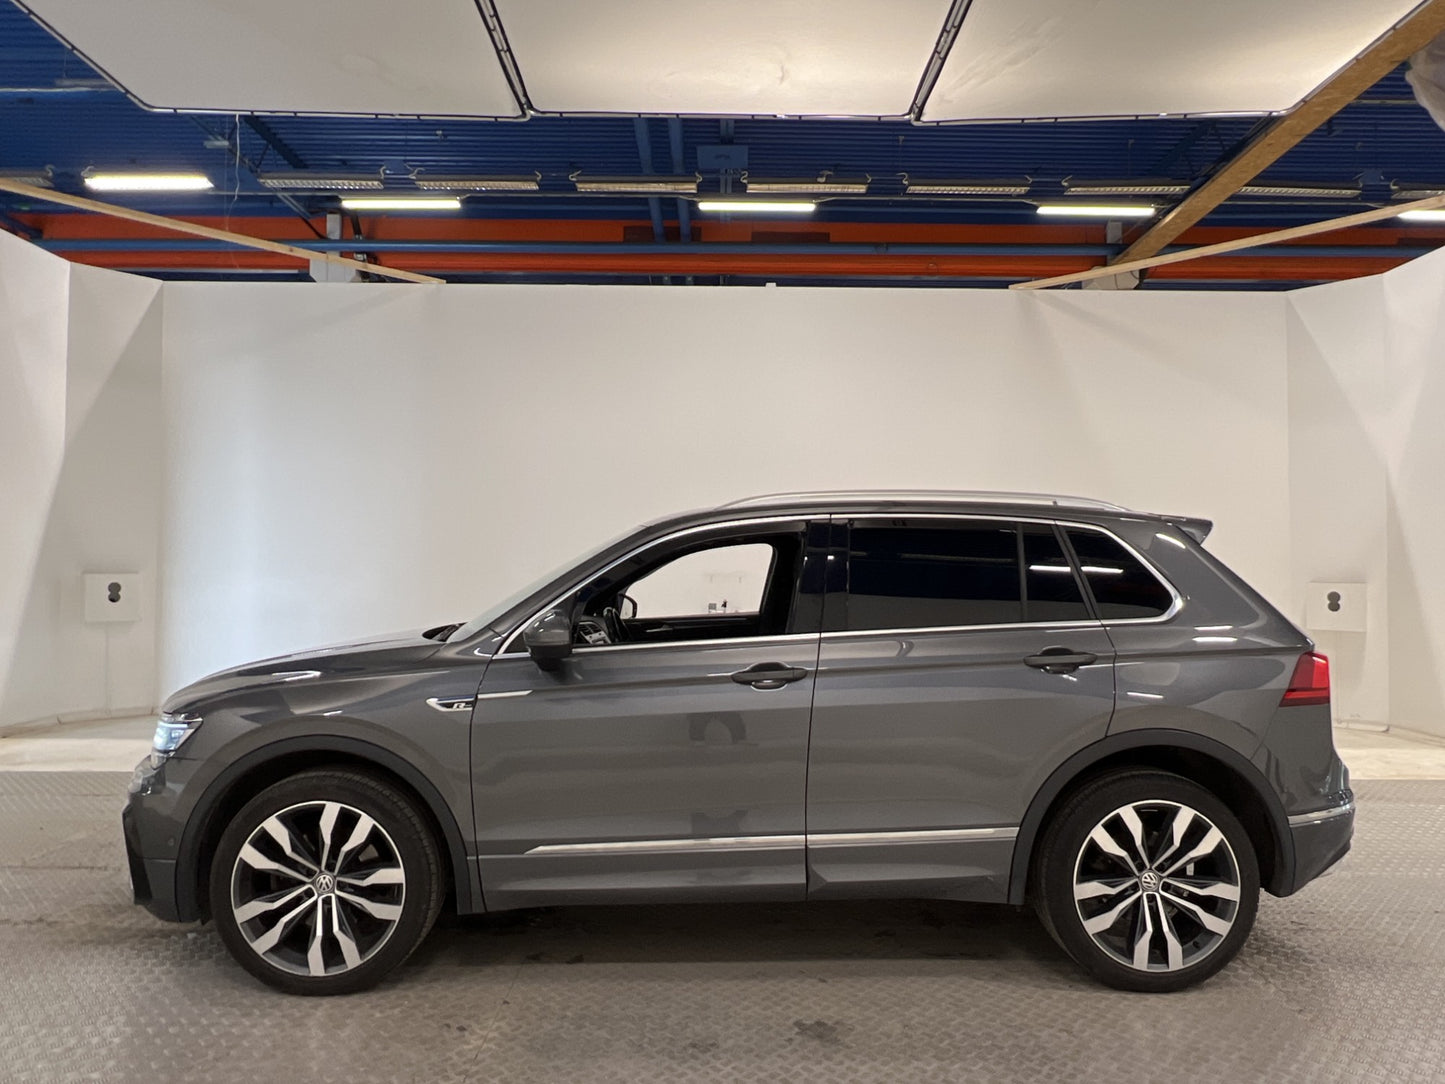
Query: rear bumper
point(1321, 838)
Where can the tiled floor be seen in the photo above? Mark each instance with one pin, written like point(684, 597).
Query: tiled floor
point(1340, 983)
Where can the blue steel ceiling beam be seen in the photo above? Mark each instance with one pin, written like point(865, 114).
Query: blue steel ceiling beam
point(644, 157)
point(233, 148)
point(684, 208)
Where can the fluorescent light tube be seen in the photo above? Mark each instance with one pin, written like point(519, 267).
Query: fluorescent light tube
point(401, 203)
point(1423, 216)
point(758, 206)
point(147, 182)
point(823, 186)
point(1096, 210)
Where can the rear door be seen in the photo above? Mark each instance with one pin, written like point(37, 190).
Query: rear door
point(959, 663)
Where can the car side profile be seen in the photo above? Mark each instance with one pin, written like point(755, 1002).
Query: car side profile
point(1000, 698)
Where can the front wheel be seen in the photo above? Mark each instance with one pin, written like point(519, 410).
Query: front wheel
point(325, 882)
point(1147, 880)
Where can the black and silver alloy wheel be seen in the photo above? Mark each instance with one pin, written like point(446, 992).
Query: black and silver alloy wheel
point(1147, 880)
point(318, 888)
point(325, 882)
point(1156, 885)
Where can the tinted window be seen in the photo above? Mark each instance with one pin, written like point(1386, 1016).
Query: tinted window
point(1052, 591)
point(923, 577)
point(1122, 587)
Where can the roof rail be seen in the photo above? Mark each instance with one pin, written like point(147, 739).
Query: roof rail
point(961, 496)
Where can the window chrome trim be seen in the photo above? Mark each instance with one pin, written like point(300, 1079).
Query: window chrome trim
point(1175, 605)
point(746, 521)
point(1319, 815)
point(772, 843)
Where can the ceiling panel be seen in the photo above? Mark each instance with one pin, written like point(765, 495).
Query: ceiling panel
point(1130, 58)
point(421, 58)
point(739, 57)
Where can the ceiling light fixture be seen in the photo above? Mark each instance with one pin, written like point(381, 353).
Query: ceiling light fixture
point(1097, 210)
point(758, 206)
point(401, 203)
point(1423, 216)
point(1303, 191)
point(473, 183)
point(647, 184)
point(1125, 188)
point(966, 188)
point(1413, 192)
point(822, 185)
point(36, 178)
point(303, 180)
point(147, 182)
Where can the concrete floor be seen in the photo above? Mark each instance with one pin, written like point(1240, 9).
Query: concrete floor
point(1340, 983)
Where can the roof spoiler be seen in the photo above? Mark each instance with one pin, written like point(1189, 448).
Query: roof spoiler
point(1195, 528)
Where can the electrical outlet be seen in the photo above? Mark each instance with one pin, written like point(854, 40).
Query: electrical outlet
point(112, 596)
point(1335, 607)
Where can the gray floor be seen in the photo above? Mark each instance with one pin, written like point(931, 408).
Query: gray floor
point(1343, 982)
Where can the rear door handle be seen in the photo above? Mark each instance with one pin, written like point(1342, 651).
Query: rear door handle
point(769, 675)
point(1060, 660)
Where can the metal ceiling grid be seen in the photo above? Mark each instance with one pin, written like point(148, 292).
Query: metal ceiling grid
point(55, 110)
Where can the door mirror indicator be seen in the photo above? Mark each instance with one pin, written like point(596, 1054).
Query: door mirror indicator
point(549, 639)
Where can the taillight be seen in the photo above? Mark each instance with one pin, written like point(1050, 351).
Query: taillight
point(1310, 682)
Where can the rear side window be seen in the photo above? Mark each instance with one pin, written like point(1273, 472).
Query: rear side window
point(909, 577)
point(1051, 589)
point(1122, 587)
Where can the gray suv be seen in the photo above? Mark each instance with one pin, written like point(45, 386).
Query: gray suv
point(1004, 698)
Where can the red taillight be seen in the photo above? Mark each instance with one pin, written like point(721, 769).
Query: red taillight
point(1310, 683)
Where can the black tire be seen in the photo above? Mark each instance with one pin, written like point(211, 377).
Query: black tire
point(322, 811)
point(1183, 942)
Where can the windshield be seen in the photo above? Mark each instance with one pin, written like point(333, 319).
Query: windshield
point(495, 612)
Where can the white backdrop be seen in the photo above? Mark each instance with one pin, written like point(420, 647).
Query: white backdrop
point(336, 460)
point(343, 460)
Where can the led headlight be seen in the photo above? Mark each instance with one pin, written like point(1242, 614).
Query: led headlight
point(172, 729)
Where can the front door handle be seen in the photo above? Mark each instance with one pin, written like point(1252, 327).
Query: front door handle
point(769, 675)
point(1060, 660)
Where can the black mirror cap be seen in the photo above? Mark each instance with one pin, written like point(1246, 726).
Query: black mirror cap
point(549, 639)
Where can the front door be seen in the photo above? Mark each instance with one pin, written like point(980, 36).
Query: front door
point(666, 758)
point(959, 663)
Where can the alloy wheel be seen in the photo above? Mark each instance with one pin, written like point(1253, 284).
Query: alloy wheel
point(318, 888)
point(1156, 886)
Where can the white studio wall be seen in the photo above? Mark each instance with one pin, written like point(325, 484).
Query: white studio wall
point(318, 462)
point(1367, 389)
point(343, 461)
point(80, 463)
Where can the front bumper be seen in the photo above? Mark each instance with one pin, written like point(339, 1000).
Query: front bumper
point(148, 830)
point(1321, 838)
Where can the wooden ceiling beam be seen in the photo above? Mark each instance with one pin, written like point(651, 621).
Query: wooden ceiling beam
point(1275, 237)
point(1408, 37)
point(195, 229)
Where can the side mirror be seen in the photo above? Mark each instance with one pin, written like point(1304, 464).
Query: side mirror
point(549, 639)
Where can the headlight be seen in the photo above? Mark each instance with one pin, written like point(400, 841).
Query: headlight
point(172, 729)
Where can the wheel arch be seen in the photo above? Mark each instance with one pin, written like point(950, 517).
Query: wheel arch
point(1213, 765)
point(247, 776)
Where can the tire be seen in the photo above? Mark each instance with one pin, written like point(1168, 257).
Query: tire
point(1146, 921)
point(336, 848)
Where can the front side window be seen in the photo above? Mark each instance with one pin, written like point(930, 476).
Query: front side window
point(925, 576)
point(1123, 589)
point(742, 585)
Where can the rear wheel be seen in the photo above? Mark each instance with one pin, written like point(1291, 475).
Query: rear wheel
point(1147, 880)
point(325, 882)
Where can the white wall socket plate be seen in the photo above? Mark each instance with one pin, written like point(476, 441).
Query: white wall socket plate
point(1335, 607)
point(112, 596)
